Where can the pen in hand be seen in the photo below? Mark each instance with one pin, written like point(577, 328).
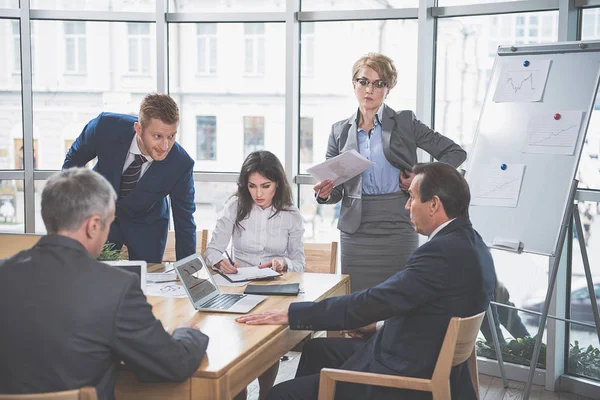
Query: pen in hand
point(230, 261)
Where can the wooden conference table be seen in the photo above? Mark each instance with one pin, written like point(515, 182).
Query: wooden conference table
point(237, 353)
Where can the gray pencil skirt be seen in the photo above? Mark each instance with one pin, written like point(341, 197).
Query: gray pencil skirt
point(382, 243)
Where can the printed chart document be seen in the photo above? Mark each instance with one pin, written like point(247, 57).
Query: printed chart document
point(492, 186)
point(518, 83)
point(341, 168)
point(161, 277)
point(165, 289)
point(250, 274)
point(548, 135)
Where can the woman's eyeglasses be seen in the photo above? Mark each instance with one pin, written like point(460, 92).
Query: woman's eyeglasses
point(376, 84)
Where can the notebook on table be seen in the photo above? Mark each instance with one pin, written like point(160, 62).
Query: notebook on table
point(205, 294)
point(250, 274)
point(290, 289)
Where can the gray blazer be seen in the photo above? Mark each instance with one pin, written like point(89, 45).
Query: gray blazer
point(402, 134)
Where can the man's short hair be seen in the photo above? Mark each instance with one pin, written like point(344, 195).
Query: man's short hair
point(72, 196)
point(158, 106)
point(442, 180)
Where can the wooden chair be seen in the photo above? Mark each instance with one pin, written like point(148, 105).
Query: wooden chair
point(85, 393)
point(320, 257)
point(458, 346)
point(12, 243)
point(201, 244)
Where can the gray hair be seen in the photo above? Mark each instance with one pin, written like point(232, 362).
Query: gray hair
point(72, 196)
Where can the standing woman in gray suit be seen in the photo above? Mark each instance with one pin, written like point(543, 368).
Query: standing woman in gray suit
point(376, 233)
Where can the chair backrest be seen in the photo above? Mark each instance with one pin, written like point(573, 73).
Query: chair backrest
point(458, 345)
point(12, 243)
point(320, 257)
point(85, 393)
point(201, 244)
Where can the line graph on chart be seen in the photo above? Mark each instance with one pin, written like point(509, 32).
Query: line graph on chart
point(518, 84)
point(546, 135)
point(492, 186)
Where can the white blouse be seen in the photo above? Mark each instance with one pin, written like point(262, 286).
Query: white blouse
point(261, 239)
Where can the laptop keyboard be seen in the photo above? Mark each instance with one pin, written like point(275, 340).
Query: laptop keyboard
point(223, 301)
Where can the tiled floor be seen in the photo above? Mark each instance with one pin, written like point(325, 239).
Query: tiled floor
point(490, 388)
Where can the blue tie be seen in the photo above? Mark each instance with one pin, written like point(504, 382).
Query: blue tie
point(131, 175)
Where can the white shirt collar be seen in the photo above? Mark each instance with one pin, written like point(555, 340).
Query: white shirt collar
point(135, 149)
point(439, 228)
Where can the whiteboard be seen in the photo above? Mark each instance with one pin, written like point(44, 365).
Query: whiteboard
point(503, 142)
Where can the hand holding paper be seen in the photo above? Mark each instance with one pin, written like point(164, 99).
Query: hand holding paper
point(340, 168)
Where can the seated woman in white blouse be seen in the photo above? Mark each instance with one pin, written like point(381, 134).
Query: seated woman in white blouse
point(264, 226)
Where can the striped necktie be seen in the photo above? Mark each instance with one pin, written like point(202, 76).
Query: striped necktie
point(131, 175)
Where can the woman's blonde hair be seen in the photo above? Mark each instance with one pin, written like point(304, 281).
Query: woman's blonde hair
point(383, 65)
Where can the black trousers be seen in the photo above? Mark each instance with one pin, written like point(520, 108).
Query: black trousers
point(318, 354)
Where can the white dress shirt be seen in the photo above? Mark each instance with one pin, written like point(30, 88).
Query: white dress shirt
point(261, 239)
point(133, 150)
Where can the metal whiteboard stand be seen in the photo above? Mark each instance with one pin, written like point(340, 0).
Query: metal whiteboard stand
point(574, 213)
point(492, 323)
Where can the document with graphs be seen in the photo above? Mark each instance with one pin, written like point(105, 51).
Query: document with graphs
point(553, 132)
point(497, 185)
point(341, 168)
point(522, 80)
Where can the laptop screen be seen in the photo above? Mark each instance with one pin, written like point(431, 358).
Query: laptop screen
point(136, 267)
point(196, 278)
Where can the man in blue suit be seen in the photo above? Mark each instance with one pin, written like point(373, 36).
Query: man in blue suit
point(452, 275)
point(144, 164)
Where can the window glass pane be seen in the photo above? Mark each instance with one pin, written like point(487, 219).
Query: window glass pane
point(589, 164)
point(9, 3)
point(228, 93)
point(467, 2)
point(465, 57)
point(327, 95)
point(226, 6)
point(583, 359)
point(12, 206)
point(63, 102)
point(513, 289)
point(254, 134)
point(306, 140)
point(96, 5)
point(210, 199)
point(320, 5)
point(11, 127)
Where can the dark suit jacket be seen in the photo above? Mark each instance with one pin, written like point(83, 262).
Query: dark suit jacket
point(142, 216)
point(70, 320)
point(402, 135)
point(452, 275)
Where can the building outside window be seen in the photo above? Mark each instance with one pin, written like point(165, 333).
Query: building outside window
point(206, 137)
point(306, 140)
point(206, 36)
point(254, 42)
point(139, 48)
point(254, 134)
point(75, 47)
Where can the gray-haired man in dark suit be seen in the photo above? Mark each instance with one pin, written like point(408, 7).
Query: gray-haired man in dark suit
point(69, 319)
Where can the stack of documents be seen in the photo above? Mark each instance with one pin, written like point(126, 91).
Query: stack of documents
point(341, 168)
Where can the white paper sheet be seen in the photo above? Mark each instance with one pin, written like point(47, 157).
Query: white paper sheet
point(161, 277)
point(547, 135)
point(492, 186)
point(341, 168)
point(221, 281)
point(165, 289)
point(518, 83)
point(249, 273)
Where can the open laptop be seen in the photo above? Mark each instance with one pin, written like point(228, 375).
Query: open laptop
point(137, 267)
point(204, 293)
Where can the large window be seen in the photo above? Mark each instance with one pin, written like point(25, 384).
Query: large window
point(139, 48)
point(95, 5)
point(75, 48)
point(229, 94)
point(64, 103)
point(207, 48)
point(254, 47)
point(254, 134)
point(16, 46)
point(320, 5)
point(206, 138)
point(306, 139)
point(327, 94)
